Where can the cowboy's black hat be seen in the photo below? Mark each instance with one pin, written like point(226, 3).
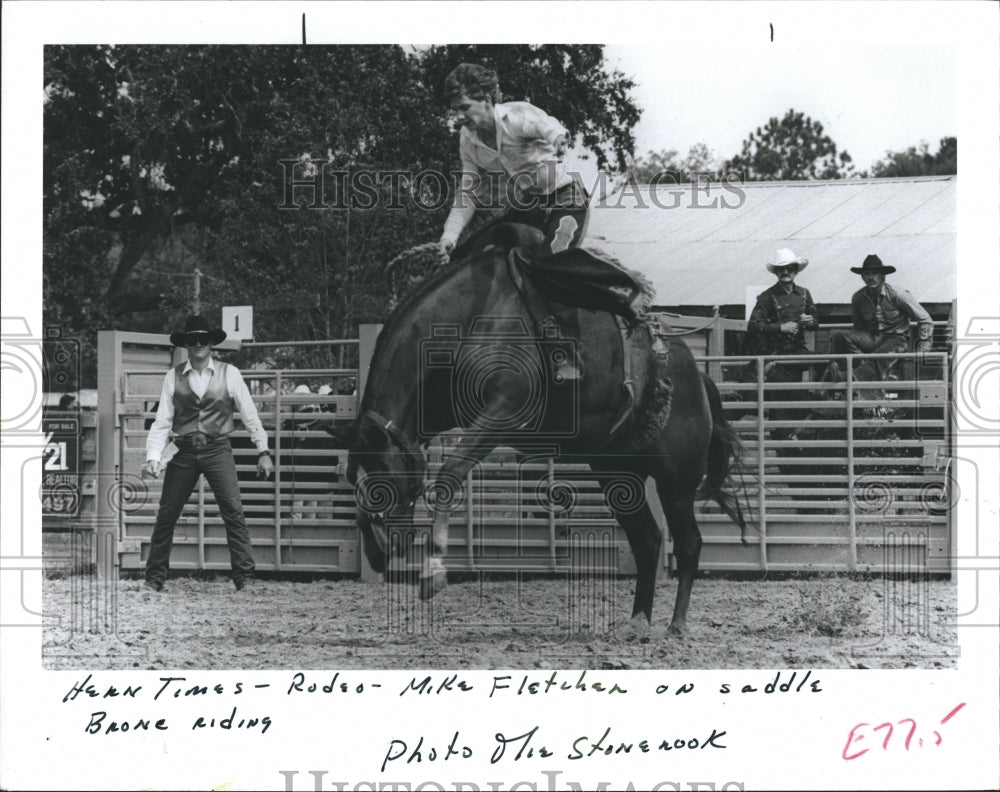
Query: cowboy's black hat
point(198, 324)
point(873, 264)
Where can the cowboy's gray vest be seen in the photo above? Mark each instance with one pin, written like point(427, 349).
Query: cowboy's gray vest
point(212, 414)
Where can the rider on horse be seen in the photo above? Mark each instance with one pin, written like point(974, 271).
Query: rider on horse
point(520, 148)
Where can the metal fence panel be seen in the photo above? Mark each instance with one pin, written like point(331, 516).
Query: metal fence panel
point(833, 480)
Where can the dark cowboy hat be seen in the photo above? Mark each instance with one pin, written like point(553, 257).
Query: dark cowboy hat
point(198, 324)
point(873, 264)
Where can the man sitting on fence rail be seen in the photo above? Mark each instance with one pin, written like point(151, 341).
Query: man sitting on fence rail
point(777, 326)
point(197, 403)
point(881, 315)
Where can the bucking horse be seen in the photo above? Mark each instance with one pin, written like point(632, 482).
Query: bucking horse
point(465, 349)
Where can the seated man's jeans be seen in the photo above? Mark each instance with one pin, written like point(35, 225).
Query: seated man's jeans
point(215, 460)
point(853, 342)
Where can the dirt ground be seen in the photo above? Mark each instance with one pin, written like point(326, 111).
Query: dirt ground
point(202, 622)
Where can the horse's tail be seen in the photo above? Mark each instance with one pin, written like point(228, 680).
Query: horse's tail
point(724, 449)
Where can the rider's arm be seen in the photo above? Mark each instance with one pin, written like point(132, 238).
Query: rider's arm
point(540, 147)
point(463, 206)
point(531, 123)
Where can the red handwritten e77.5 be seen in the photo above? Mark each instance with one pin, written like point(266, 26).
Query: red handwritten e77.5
point(910, 735)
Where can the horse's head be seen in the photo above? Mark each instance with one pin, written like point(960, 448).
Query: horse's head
point(387, 471)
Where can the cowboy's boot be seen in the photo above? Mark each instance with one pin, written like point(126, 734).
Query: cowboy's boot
point(636, 311)
point(631, 305)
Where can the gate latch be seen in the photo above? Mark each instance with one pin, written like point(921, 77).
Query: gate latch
point(935, 454)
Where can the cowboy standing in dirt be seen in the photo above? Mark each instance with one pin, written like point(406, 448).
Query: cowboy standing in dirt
point(197, 402)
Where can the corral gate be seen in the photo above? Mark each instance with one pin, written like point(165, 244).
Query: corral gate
point(859, 490)
point(840, 476)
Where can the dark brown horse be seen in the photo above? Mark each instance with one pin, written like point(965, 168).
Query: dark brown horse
point(462, 351)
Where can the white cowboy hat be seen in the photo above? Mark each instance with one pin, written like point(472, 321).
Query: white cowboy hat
point(786, 257)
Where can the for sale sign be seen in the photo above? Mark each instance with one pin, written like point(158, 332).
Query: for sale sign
point(60, 470)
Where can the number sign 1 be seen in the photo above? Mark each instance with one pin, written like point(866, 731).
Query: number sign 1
point(237, 321)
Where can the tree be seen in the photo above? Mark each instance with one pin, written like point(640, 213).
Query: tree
point(666, 167)
point(159, 160)
point(790, 149)
point(918, 161)
point(162, 160)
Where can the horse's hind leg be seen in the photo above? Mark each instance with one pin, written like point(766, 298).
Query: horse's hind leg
point(646, 539)
point(678, 507)
point(644, 536)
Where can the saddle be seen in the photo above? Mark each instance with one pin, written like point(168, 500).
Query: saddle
point(555, 319)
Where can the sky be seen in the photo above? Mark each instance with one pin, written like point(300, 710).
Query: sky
point(868, 100)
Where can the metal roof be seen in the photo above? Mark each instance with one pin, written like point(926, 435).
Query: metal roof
point(706, 246)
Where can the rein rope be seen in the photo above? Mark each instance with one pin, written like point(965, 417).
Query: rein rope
point(675, 333)
point(414, 265)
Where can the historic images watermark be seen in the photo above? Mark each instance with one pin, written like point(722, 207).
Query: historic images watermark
point(315, 184)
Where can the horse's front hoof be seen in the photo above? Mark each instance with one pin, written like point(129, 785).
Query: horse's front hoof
point(636, 630)
point(431, 585)
point(677, 630)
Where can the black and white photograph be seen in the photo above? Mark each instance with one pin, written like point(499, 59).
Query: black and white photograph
point(390, 404)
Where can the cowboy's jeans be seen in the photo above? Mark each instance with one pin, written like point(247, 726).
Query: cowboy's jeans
point(854, 342)
point(215, 461)
point(562, 216)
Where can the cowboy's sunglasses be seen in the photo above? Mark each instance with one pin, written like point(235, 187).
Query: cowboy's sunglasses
point(791, 269)
point(196, 339)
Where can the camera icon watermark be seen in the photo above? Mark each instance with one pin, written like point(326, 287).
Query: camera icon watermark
point(21, 368)
point(975, 381)
point(30, 365)
point(499, 380)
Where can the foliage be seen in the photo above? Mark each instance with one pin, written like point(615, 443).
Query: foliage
point(791, 148)
point(160, 161)
point(667, 167)
point(918, 161)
